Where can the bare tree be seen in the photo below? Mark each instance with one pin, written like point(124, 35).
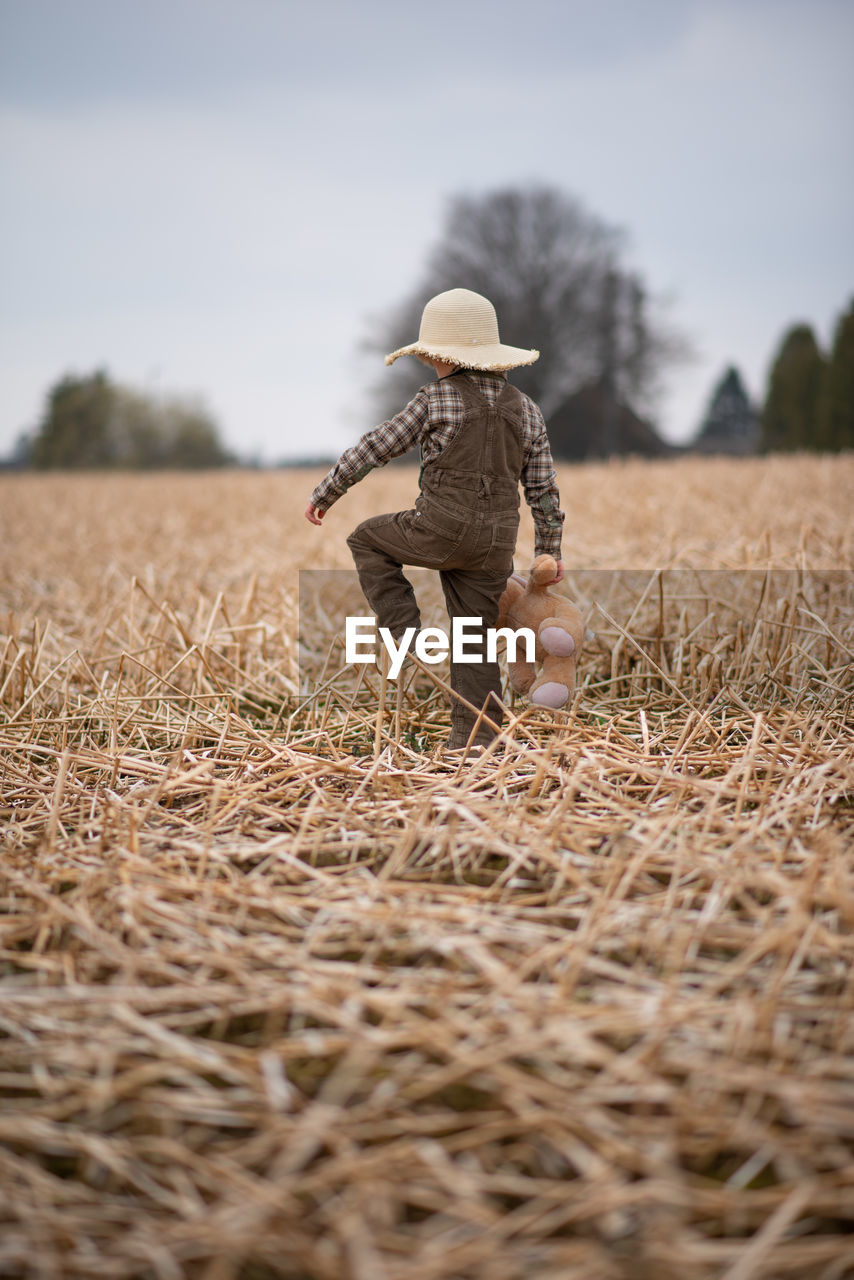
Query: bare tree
point(552, 270)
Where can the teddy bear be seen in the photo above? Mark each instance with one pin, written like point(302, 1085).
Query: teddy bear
point(559, 630)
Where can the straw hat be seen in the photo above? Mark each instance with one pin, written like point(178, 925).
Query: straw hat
point(460, 327)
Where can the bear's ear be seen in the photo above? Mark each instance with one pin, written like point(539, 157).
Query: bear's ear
point(543, 570)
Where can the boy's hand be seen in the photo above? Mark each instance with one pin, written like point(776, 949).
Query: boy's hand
point(559, 573)
point(314, 514)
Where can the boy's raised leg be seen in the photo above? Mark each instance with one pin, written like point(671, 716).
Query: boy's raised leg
point(379, 548)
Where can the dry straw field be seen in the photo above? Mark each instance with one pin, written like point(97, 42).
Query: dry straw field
point(284, 993)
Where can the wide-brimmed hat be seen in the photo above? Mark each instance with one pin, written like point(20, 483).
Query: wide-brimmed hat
point(460, 327)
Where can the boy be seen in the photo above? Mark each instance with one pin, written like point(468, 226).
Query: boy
point(479, 437)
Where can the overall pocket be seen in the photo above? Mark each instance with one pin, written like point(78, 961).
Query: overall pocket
point(443, 528)
point(505, 531)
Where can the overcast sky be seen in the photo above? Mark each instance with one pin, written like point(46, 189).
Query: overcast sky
point(214, 196)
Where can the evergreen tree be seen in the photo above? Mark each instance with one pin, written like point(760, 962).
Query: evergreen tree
point(836, 413)
point(790, 417)
point(730, 423)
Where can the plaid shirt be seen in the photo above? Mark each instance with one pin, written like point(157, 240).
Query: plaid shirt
point(430, 420)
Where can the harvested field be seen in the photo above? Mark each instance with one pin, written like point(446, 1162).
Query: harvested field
point(284, 993)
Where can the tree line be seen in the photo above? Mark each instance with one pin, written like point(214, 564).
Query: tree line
point(558, 276)
point(810, 398)
point(91, 421)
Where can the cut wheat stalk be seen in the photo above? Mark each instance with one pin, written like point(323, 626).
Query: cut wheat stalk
point(284, 991)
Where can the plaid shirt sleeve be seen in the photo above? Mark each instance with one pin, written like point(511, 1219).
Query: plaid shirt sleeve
point(374, 449)
point(539, 481)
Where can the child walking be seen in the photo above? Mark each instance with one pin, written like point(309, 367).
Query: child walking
point(479, 437)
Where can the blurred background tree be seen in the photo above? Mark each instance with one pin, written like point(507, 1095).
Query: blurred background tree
point(552, 270)
point(836, 403)
point(730, 423)
point(790, 417)
point(93, 422)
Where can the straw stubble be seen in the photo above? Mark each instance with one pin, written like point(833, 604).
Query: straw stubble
point(285, 992)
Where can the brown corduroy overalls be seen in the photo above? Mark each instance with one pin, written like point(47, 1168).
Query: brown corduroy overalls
point(464, 524)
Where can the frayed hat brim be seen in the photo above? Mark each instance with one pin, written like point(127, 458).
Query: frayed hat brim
point(494, 358)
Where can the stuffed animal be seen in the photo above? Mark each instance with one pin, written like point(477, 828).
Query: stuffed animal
point(559, 630)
